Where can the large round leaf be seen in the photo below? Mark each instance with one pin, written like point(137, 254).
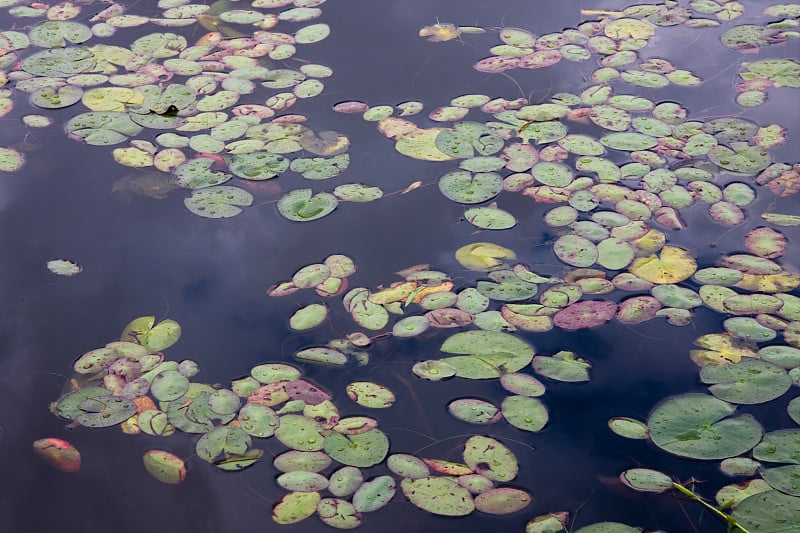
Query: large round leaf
point(749, 381)
point(463, 187)
point(361, 450)
point(771, 511)
point(490, 354)
point(695, 426)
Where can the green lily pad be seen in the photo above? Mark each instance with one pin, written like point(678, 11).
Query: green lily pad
point(372, 395)
point(490, 354)
point(223, 440)
point(742, 158)
point(563, 366)
point(782, 446)
point(308, 317)
point(104, 411)
point(362, 450)
point(474, 411)
point(628, 427)
point(169, 385)
point(165, 466)
point(434, 370)
point(463, 187)
point(490, 218)
point(490, 458)
point(646, 480)
point(502, 500)
point(696, 426)
point(749, 329)
point(102, 128)
point(524, 412)
point(258, 165)
point(407, 466)
point(338, 513)
point(295, 506)
point(783, 478)
point(221, 201)
point(771, 511)
point(374, 494)
point(300, 433)
point(322, 355)
point(301, 205)
point(522, 384)
point(438, 495)
point(410, 326)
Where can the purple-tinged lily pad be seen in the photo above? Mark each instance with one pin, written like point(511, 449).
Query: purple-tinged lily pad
point(586, 314)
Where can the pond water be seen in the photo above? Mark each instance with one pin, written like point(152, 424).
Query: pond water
point(662, 289)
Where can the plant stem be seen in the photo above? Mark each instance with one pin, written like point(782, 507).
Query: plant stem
point(725, 516)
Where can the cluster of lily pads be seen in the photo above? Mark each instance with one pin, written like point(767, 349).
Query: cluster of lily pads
point(129, 383)
point(624, 167)
point(195, 113)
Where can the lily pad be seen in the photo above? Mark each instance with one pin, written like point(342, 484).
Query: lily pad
point(301, 205)
point(697, 426)
point(474, 411)
point(525, 413)
point(563, 366)
point(58, 453)
point(438, 495)
point(165, 466)
point(489, 354)
point(362, 450)
point(372, 395)
point(771, 511)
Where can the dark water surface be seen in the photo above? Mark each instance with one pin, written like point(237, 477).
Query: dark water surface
point(143, 256)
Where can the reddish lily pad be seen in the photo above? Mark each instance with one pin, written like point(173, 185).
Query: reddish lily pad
point(586, 314)
point(58, 453)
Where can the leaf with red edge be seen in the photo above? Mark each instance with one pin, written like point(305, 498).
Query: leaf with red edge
point(58, 453)
point(585, 314)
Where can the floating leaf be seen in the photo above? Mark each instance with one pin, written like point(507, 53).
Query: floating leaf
point(696, 426)
point(105, 411)
point(586, 314)
point(374, 494)
point(165, 466)
point(407, 466)
point(769, 511)
point(410, 326)
point(490, 218)
point(301, 205)
point(483, 256)
point(646, 480)
point(63, 267)
point(563, 366)
point(463, 187)
point(674, 265)
point(295, 506)
point(782, 446)
point(628, 427)
point(474, 411)
point(524, 412)
point(362, 450)
point(308, 317)
point(490, 354)
point(501, 501)
point(438, 495)
point(58, 453)
point(576, 251)
point(368, 394)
